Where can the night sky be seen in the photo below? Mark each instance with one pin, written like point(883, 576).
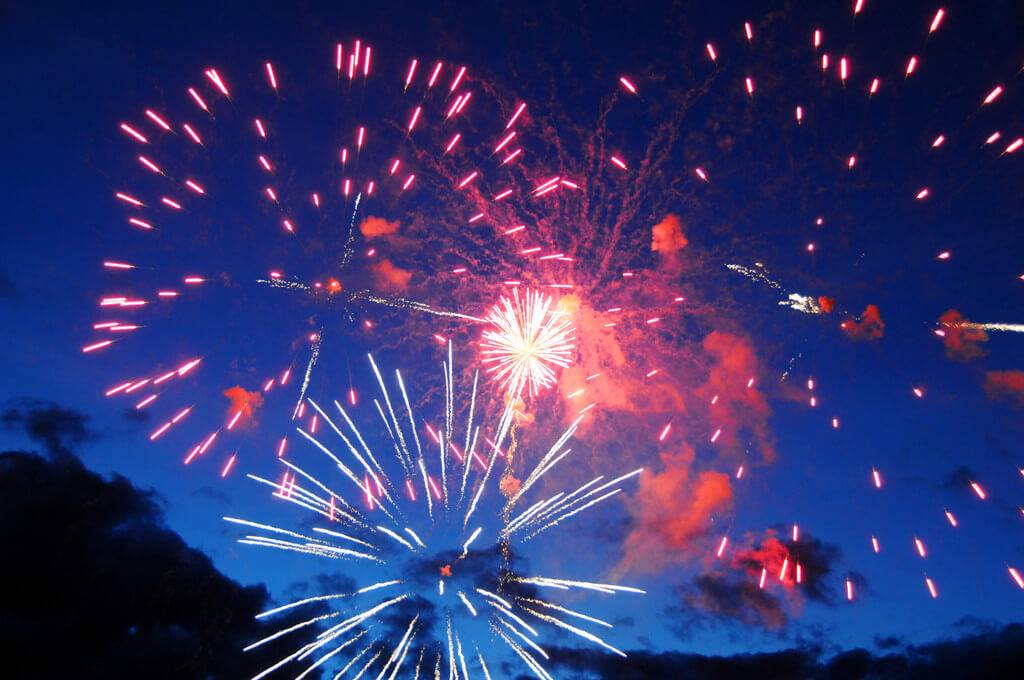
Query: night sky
point(777, 281)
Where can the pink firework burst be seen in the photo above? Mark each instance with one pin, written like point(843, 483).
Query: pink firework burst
point(525, 341)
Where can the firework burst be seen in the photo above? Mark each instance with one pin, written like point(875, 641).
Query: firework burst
point(397, 140)
point(525, 341)
point(409, 528)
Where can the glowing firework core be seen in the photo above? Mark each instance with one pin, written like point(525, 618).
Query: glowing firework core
point(525, 340)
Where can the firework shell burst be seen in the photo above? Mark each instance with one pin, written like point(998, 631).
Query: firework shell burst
point(525, 341)
point(415, 528)
point(339, 216)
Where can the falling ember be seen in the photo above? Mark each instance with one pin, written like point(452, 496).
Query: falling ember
point(664, 432)
point(192, 133)
point(434, 74)
point(95, 346)
point(849, 590)
point(515, 116)
point(129, 199)
point(978, 490)
point(627, 84)
point(919, 546)
point(525, 340)
point(931, 587)
point(911, 65)
point(216, 80)
point(153, 116)
point(715, 436)
point(711, 52)
point(230, 464)
point(918, 392)
point(993, 95)
point(877, 477)
point(750, 85)
point(1015, 575)
point(951, 518)
point(723, 543)
point(874, 544)
point(415, 117)
point(937, 20)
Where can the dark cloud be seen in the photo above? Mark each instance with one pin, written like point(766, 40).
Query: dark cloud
point(729, 599)
point(817, 559)
point(959, 479)
point(990, 654)
point(104, 588)
point(56, 428)
point(211, 493)
point(320, 584)
point(731, 596)
point(888, 642)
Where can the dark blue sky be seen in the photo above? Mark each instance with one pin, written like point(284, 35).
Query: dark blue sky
point(74, 73)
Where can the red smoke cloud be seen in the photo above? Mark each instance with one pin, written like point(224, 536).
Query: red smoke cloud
point(870, 326)
point(667, 236)
point(962, 344)
point(770, 555)
point(389, 277)
point(621, 387)
point(672, 509)
point(245, 402)
point(1005, 385)
point(827, 303)
point(372, 227)
point(739, 409)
